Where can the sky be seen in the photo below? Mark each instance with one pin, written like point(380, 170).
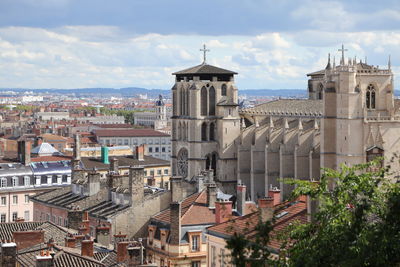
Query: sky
point(139, 43)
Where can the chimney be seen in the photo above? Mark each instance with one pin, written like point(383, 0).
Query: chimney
point(104, 155)
point(8, 254)
point(24, 152)
point(136, 184)
point(93, 183)
point(75, 218)
point(211, 195)
point(241, 199)
point(70, 241)
point(38, 141)
point(223, 211)
point(118, 238)
point(50, 243)
point(275, 193)
point(84, 229)
point(200, 183)
point(135, 252)
point(266, 206)
point(87, 247)
point(140, 152)
point(103, 235)
point(176, 188)
point(175, 225)
point(122, 251)
point(77, 147)
point(114, 165)
point(25, 239)
point(44, 259)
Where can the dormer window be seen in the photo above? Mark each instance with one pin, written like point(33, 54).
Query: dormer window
point(15, 181)
point(3, 182)
point(370, 97)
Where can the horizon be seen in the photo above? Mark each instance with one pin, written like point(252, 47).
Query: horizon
point(69, 44)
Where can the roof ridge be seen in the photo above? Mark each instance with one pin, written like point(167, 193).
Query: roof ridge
point(191, 204)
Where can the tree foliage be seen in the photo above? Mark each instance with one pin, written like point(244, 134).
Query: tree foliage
point(357, 222)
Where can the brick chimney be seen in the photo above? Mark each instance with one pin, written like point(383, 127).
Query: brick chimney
point(25, 239)
point(75, 218)
point(122, 251)
point(114, 167)
point(241, 199)
point(140, 152)
point(84, 229)
point(44, 259)
point(136, 184)
point(93, 184)
point(266, 206)
point(8, 254)
point(176, 188)
point(77, 147)
point(87, 247)
point(211, 195)
point(24, 152)
point(70, 241)
point(275, 193)
point(175, 223)
point(103, 235)
point(118, 238)
point(223, 211)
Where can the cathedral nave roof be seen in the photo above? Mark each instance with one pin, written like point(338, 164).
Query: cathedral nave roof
point(287, 107)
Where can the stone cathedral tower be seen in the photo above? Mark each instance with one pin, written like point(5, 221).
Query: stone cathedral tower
point(206, 123)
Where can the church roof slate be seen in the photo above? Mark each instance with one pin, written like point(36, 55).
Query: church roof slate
point(204, 69)
point(287, 107)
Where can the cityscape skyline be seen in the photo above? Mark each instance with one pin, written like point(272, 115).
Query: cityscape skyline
point(69, 44)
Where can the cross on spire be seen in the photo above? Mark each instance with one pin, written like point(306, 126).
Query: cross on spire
point(204, 50)
point(342, 50)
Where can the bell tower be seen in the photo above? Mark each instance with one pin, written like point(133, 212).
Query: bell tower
point(205, 122)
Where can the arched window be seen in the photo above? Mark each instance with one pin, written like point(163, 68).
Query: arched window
point(211, 96)
point(212, 132)
point(174, 103)
point(204, 132)
point(208, 162)
point(370, 97)
point(320, 90)
point(181, 102)
point(182, 162)
point(214, 163)
point(187, 102)
point(204, 102)
point(179, 131)
point(223, 90)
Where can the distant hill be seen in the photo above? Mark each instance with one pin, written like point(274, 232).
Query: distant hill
point(134, 91)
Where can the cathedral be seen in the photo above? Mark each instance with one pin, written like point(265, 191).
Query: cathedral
point(350, 116)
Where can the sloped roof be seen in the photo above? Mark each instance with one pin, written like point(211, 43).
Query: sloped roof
point(129, 133)
point(45, 148)
point(204, 69)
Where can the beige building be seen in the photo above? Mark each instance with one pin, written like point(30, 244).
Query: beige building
point(351, 117)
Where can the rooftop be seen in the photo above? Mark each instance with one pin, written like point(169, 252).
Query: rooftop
point(130, 133)
point(204, 69)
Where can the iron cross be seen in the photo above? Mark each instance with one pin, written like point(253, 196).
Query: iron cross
point(204, 50)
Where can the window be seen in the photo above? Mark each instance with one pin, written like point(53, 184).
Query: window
point(15, 199)
point(212, 131)
point(195, 243)
point(158, 172)
point(213, 256)
point(26, 198)
point(145, 173)
point(3, 217)
point(59, 221)
point(204, 102)
point(43, 179)
point(196, 264)
point(26, 215)
point(204, 132)
point(126, 142)
point(3, 201)
point(370, 97)
point(14, 216)
point(211, 97)
point(157, 149)
point(165, 171)
point(163, 149)
point(54, 179)
point(47, 217)
point(223, 90)
point(150, 149)
point(3, 182)
point(65, 178)
point(15, 181)
point(152, 172)
point(222, 257)
point(27, 181)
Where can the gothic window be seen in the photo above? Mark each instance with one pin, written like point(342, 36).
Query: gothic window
point(223, 90)
point(204, 102)
point(204, 132)
point(214, 163)
point(182, 163)
point(373, 153)
point(181, 102)
point(212, 132)
point(370, 97)
point(320, 90)
point(187, 102)
point(208, 162)
point(211, 108)
point(179, 131)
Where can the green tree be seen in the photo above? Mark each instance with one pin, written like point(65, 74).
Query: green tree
point(357, 222)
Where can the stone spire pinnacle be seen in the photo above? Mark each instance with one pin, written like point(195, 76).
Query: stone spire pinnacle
point(334, 62)
point(328, 66)
point(389, 64)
